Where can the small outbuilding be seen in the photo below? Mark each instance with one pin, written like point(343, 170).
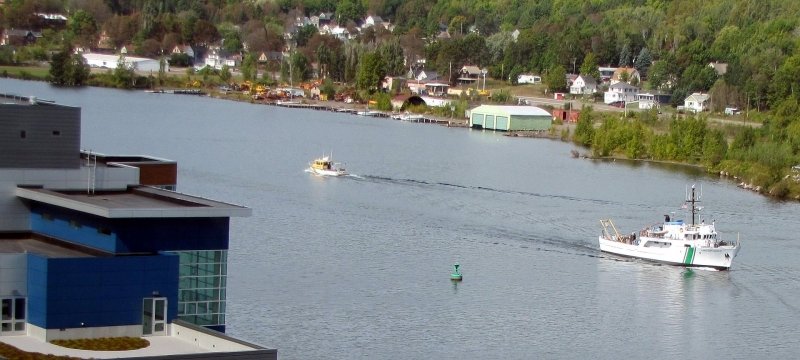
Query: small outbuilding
point(510, 118)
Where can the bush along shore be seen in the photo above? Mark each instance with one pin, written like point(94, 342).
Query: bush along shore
point(759, 159)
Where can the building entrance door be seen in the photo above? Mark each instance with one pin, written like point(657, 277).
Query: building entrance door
point(12, 316)
point(154, 316)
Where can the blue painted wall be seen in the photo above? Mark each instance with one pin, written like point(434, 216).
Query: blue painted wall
point(139, 235)
point(65, 292)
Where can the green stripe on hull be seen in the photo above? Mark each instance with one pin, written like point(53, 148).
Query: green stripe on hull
point(689, 256)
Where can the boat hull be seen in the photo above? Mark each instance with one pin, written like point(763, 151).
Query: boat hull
point(719, 257)
point(323, 172)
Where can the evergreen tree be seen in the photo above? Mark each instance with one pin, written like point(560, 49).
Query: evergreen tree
point(625, 56)
point(643, 62)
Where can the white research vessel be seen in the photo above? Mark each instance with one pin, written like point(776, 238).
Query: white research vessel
point(673, 242)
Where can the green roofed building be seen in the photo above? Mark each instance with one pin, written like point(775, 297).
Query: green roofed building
point(510, 118)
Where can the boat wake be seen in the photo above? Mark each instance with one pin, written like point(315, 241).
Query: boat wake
point(423, 183)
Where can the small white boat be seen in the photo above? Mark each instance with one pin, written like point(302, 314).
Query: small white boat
point(325, 166)
point(673, 242)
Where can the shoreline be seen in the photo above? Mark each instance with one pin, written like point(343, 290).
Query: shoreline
point(329, 105)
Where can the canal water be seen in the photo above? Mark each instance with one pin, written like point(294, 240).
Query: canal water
point(358, 266)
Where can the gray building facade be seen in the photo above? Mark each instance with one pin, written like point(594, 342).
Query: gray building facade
point(39, 135)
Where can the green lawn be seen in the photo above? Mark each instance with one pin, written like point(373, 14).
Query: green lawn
point(38, 72)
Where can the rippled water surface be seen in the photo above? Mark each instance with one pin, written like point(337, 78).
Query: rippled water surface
point(358, 266)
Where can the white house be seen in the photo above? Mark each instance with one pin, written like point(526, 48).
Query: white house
point(131, 62)
point(583, 85)
point(529, 79)
point(647, 101)
point(697, 102)
point(337, 31)
point(620, 91)
point(216, 59)
point(427, 75)
point(372, 20)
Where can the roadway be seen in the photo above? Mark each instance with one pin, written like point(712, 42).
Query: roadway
point(632, 106)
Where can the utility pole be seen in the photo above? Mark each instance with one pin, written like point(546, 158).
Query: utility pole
point(450, 77)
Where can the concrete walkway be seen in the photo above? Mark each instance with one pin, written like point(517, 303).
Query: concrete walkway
point(159, 345)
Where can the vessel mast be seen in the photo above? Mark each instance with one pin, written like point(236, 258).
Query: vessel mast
point(693, 200)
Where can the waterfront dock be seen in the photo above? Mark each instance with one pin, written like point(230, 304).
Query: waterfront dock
point(414, 118)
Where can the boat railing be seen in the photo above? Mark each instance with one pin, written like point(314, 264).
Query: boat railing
point(608, 227)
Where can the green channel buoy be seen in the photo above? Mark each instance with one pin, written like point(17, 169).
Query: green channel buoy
point(456, 274)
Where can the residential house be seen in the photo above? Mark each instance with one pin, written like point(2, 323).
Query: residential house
point(127, 49)
point(183, 49)
point(19, 37)
point(469, 74)
point(570, 78)
point(631, 74)
point(216, 58)
point(425, 75)
point(606, 73)
point(620, 92)
point(393, 84)
point(267, 56)
point(50, 21)
point(372, 20)
point(302, 21)
point(325, 19)
point(696, 102)
point(339, 32)
point(436, 89)
point(719, 68)
point(583, 85)
point(652, 100)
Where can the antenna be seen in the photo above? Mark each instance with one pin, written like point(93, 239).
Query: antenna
point(693, 200)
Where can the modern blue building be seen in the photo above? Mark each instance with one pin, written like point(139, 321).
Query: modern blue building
point(93, 245)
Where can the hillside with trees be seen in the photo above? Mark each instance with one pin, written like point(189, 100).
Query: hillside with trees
point(671, 43)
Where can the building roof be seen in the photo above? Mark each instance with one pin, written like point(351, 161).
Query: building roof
point(622, 85)
point(471, 69)
point(134, 202)
point(632, 72)
point(211, 345)
point(588, 80)
point(113, 58)
point(27, 243)
point(697, 97)
point(512, 110)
